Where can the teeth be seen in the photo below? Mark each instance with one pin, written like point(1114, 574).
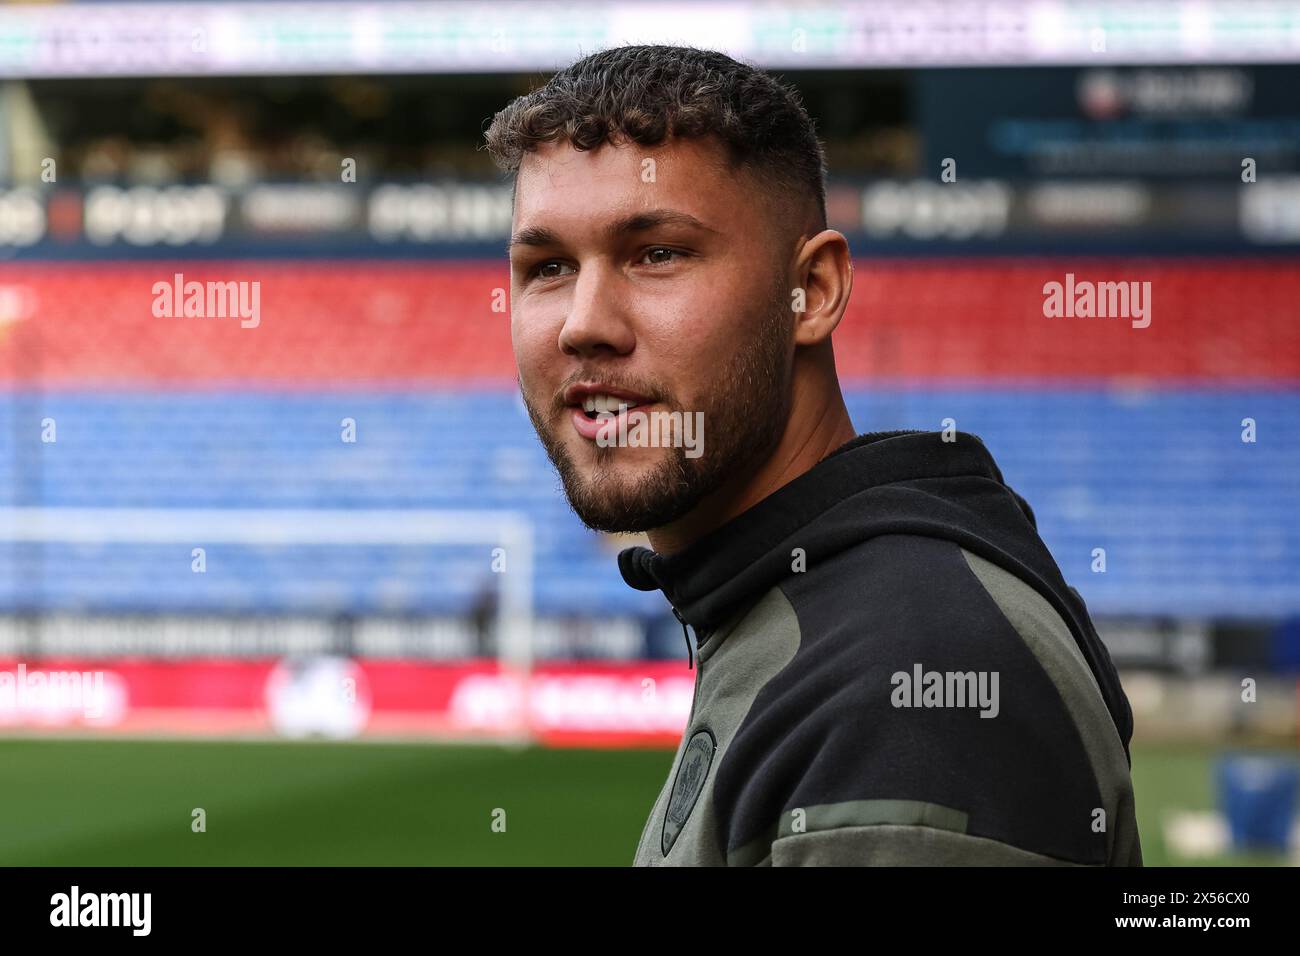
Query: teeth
point(604, 404)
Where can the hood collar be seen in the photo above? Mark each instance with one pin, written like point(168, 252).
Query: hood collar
point(714, 576)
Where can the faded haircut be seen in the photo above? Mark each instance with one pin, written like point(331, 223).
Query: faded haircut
point(647, 94)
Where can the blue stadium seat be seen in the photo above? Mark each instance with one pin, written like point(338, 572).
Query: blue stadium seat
point(1193, 521)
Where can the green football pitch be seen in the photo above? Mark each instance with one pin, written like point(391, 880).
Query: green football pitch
point(120, 802)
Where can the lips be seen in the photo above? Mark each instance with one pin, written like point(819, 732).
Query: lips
point(577, 395)
point(597, 406)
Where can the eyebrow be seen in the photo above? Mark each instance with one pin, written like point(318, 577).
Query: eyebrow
point(637, 222)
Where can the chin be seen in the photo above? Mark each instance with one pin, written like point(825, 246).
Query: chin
point(626, 493)
point(619, 474)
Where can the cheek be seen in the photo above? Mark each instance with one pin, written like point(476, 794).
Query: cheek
point(533, 344)
point(688, 349)
point(709, 326)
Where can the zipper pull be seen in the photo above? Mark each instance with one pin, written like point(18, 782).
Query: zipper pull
point(690, 656)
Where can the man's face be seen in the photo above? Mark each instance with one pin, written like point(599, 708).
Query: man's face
point(647, 280)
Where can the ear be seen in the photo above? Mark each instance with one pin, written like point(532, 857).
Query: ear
point(824, 272)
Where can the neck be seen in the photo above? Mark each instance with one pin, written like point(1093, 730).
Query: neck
point(817, 426)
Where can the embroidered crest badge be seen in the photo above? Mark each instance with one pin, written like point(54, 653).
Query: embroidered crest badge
point(691, 774)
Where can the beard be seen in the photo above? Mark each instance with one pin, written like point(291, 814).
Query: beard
point(745, 413)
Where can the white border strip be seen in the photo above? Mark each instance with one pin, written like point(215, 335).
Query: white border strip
point(458, 36)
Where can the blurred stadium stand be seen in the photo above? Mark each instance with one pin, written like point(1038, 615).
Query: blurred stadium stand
point(1123, 439)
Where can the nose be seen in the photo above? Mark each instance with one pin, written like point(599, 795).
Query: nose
point(597, 323)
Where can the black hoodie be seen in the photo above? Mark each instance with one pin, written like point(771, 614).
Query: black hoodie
point(891, 670)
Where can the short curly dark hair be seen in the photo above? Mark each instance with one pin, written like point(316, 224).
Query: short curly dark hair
point(647, 94)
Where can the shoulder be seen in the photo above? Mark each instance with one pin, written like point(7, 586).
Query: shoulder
point(905, 599)
point(914, 699)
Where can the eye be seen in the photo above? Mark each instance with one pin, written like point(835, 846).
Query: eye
point(662, 249)
point(537, 270)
